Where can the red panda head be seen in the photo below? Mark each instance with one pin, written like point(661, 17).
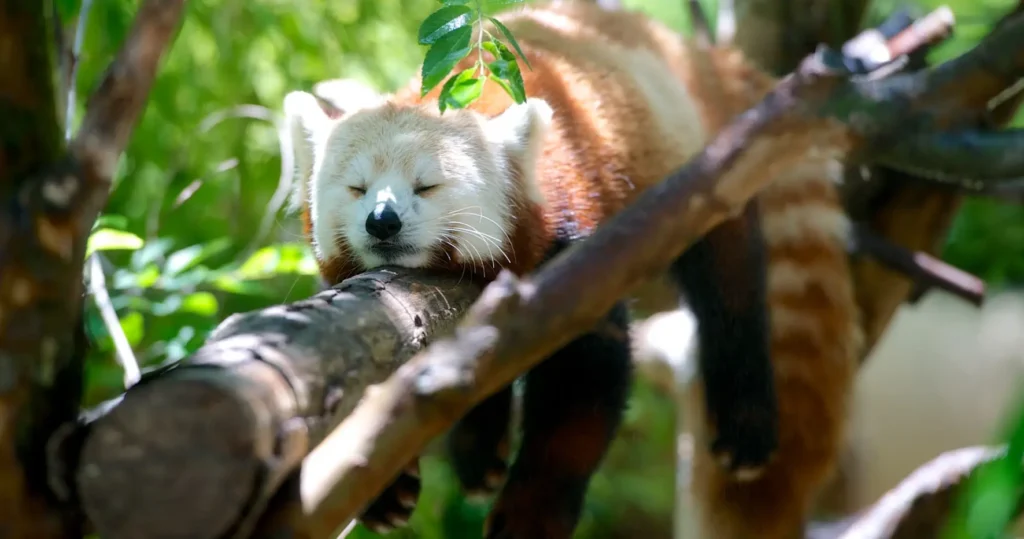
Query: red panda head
point(395, 184)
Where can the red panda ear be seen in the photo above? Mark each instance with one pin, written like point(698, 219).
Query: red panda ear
point(521, 130)
point(345, 96)
point(309, 120)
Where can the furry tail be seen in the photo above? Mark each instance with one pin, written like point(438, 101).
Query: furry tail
point(816, 340)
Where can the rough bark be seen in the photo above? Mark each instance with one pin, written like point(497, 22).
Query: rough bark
point(197, 451)
point(49, 199)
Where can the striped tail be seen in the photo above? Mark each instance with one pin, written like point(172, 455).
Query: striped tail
point(816, 340)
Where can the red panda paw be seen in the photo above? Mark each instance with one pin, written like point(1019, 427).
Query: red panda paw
point(481, 473)
point(535, 509)
point(393, 507)
point(746, 441)
point(483, 486)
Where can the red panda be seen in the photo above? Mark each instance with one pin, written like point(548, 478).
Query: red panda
point(616, 103)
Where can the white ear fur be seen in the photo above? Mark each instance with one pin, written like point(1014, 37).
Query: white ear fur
point(348, 95)
point(521, 128)
point(310, 117)
point(307, 120)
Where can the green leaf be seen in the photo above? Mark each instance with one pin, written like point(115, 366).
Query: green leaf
point(119, 222)
point(234, 285)
point(168, 305)
point(189, 257)
point(145, 278)
point(153, 251)
point(201, 303)
point(461, 90)
point(277, 259)
point(134, 327)
point(505, 71)
point(108, 239)
point(442, 22)
point(508, 35)
point(443, 55)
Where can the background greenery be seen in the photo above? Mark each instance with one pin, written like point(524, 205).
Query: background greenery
point(193, 231)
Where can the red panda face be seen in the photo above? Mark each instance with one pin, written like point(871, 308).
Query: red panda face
point(406, 186)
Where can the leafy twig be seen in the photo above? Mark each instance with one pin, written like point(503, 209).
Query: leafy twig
point(122, 348)
point(449, 32)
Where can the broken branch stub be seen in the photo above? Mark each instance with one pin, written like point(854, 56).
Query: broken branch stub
point(516, 322)
point(196, 449)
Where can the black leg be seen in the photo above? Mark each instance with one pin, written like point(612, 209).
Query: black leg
point(724, 277)
point(478, 445)
point(572, 408)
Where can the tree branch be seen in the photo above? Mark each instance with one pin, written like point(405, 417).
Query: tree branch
point(115, 106)
point(48, 203)
point(194, 451)
point(918, 506)
point(926, 270)
point(914, 212)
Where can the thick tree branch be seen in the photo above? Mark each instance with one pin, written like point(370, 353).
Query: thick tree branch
point(48, 203)
point(195, 451)
point(30, 140)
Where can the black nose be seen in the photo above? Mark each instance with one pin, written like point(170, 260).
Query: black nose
point(383, 222)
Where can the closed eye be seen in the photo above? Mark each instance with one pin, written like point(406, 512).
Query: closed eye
point(357, 191)
point(425, 189)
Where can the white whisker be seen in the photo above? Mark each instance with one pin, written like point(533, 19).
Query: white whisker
point(489, 240)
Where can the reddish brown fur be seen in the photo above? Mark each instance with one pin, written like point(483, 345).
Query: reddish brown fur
point(603, 149)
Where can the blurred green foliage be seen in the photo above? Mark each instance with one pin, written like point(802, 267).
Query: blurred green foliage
point(193, 231)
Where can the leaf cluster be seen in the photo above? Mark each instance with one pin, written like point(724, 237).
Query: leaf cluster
point(449, 32)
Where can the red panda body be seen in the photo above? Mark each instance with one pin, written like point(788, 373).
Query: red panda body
point(628, 102)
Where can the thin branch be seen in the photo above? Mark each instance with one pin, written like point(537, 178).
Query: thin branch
point(72, 72)
point(115, 106)
point(909, 510)
point(953, 158)
point(927, 271)
point(122, 348)
point(929, 30)
point(898, 36)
